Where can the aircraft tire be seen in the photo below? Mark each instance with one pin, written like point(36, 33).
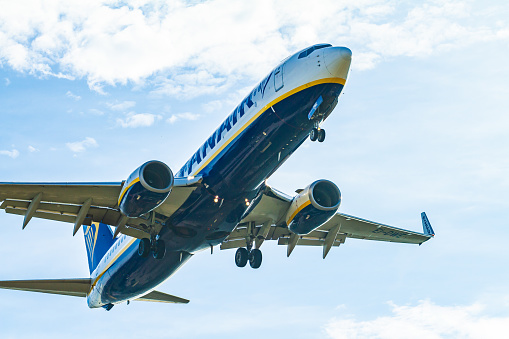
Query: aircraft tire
point(159, 250)
point(255, 258)
point(144, 247)
point(313, 135)
point(241, 257)
point(321, 135)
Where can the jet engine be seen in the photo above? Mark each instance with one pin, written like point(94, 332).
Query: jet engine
point(145, 189)
point(313, 206)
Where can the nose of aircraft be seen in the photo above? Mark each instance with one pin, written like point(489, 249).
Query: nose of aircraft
point(337, 60)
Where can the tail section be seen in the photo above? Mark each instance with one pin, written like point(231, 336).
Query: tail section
point(98, 240)
point(426, 225)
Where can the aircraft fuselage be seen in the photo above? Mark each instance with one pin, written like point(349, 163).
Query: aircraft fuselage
point(234, 162)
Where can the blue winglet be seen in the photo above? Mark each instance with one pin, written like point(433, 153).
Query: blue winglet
point(426, 225)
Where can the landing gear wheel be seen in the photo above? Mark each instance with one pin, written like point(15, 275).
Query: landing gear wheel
point(321, 135)
point(241, 257)
point(159, 249)
point(144, 247)
point(255, 258)
point(313, 135)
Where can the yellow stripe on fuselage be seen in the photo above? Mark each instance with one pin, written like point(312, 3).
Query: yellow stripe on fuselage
point(301, 207)
point(125, 189)
point(266, 107)
point(112, 261)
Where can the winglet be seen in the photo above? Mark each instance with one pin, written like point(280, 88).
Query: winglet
point(426, 226)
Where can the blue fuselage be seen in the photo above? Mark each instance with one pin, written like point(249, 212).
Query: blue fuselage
point(257, 138)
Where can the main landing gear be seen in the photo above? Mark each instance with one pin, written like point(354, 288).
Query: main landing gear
point(155, 245)
point(242, 256)
point(317, 134)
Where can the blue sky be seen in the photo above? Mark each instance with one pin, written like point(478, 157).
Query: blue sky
point(88, 92)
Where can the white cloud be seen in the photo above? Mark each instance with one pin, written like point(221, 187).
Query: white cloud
point(32, 149)
point(13, 154)
point(121, 106)
point(182, 116)
point(189, 85)
point(73, 96)
point(134, 41)
point(138, 120)
point(81, 146)
point(7, 81)
point(426, 320)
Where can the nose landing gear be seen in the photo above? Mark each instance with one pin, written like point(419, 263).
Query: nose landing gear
point(317, 134)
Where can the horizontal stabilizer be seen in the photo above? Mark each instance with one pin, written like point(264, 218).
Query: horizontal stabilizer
point(426, 225)
point(156, 296)
point(72, 287)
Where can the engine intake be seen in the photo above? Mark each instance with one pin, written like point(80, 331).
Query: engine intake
point(145, 189)
point(313, 207)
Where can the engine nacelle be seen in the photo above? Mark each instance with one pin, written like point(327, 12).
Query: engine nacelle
point(312, 207)
point(145, 189)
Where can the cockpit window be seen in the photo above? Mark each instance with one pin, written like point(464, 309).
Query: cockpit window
point(312, 49)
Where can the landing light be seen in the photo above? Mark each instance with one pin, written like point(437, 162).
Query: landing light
point(191, 177)
point(247, 202)
point(216, 199)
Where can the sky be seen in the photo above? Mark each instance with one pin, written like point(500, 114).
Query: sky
point(91, 90)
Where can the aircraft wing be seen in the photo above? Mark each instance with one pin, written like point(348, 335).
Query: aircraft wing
point(71, 287)
point(156, 296)
point(266, 222)
point(78, 288)
point(83, 203)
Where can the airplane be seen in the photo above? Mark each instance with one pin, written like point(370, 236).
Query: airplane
point(140, 231)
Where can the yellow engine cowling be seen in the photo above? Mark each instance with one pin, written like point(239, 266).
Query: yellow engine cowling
point(313, 207)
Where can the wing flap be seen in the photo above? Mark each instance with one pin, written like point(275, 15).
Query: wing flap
point(311, 241)
point(156, 296)
point(71, 287)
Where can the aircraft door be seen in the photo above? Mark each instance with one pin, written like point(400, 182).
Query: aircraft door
point(278, 78)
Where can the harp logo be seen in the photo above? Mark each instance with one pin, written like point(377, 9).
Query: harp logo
point(91, 239)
